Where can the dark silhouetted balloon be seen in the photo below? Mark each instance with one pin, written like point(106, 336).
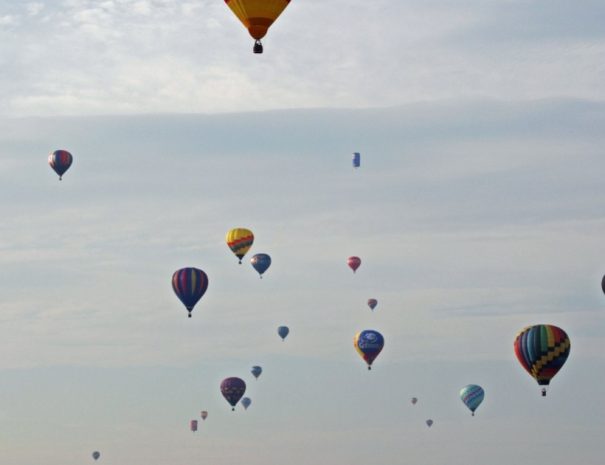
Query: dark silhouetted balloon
point(189, 285)
point(233, 389)
point(60, 161)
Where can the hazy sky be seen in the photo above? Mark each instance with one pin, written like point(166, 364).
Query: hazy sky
point(478, 210)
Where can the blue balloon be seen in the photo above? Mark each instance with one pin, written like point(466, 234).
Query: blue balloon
point(256, 371)
point(472, 396)
point(246, 401)
point(283, 332)
point(261, 262)
point(356, 160)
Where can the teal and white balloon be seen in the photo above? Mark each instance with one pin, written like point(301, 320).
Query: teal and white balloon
point(472, 396)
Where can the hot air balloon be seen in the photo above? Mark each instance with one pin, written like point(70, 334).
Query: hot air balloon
point(60, 161)
point(542, 350)
point(472, 396)
point(283, 332)
point(372, 303)
point(368, 344)
point(257, 16)
point(189, 285)
point(261, 262)
point(354, 263)
point(256, 371)
point(414, 400)
point(96, 455)
point(233, 389)
point(246, 401)
point(356, 160)
point(429, 423)
point(204, 414)
point(239, 241)
point(603, 283)
point(193, 425)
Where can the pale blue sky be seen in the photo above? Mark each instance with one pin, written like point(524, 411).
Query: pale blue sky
point(477, 211)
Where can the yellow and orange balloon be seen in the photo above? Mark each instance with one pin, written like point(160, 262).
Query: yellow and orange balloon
point(239, 241)
point(257, 16)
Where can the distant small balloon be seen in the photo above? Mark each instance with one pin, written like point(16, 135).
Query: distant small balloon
point(261, 262)
point(246, 402)
point(429, 422)
point(204, 414)
point(256, 371)
point(356, 160)
point(354, 263)
point(372, 303)
point(414, 400)
point(96, 454)
point(603, 283)
point(193, 425)
point(283, 332)
point(60, 161)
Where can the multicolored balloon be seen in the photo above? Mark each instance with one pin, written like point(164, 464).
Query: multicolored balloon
point(233, 389)
point(193, 425)
point(246, 402)
point(261, 262)
point(369, 344)
point(413, 400)
point(239, 241)
point(257, 16)
point(356, 160)
point(472, 396)
point(256, 371)
point(542, 350)
point(96, 455)
point(204, 414)
point(429, 423)
point(283, 332)
point(189, 285)
point(354, 263)
point(60, 161)
point(372, 303)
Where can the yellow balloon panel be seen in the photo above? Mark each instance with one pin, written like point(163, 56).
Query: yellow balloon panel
point(257, 15)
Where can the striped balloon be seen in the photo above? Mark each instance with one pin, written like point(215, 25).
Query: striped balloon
point(233, 389)
point(239, 241)
point(189, 285)
point(542, 350)
point(60, 161)
point(472, 396)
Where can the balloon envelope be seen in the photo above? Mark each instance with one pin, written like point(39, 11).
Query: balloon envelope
point(372, 303)
point(429, 422)
point(96, 454)
point(246, 401)
point(542, 350)
point(472, 396)
point(256, 371)
point(189, 285)
point(60, 161)
point(239, 241)
point(283, 332)
point(603, 283)
point(193, 425)
point(257, 15)
point(233, 389)
point(356, 160)
point(261, 262)
point(369, 344)
point(414, 400)
point(204, 414)
point(354, 263)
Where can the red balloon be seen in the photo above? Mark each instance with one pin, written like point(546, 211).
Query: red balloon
point(354, 263)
